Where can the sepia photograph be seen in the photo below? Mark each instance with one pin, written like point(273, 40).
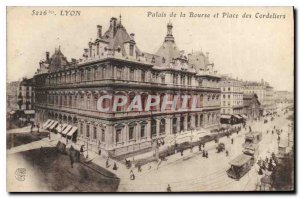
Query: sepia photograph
point(150, 99)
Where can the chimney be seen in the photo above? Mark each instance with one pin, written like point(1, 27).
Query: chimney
point(132, 36)
point(99, 27)
point(47, 56)
point(114, 24)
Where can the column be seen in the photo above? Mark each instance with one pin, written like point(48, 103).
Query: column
point(192, 121)
point(185, 123)
point(125, 134)
point(168, 126)
point(148, 130)
point(157, 127)
point(138, 132)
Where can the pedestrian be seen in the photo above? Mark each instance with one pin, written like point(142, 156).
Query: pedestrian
point(267, 160)
point(139, 167)
point(206, 155)
point(231, 140)
point(72, 161)
point(169, 188)
point(49, 136)
point(272, 132)
point(203, 153)
point(38, 127)
point(200, 147)
point(132, 176)
point(260, 172)
point(181, 152)
point(99, 152)
point(203, 145)
point(115, 166)
point(107, 163)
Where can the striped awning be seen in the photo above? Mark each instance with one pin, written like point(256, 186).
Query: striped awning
point(49, 124)
point(66, 130)
point(46, 123)
point(72, 131)
point(53, 125)
point(61, 127)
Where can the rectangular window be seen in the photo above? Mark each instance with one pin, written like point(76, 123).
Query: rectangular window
point(118, 135)
point(102, 135)
point(131, 133)
point(131, 77)
point(143, 131)
point(95, 132)
point(163, 80)
point(87, 130)
point(81, 128)
point(143, 76)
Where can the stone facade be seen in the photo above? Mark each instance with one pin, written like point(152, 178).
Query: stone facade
point(113, 65)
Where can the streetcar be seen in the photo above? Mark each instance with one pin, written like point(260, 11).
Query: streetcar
point(253, 137)
point(239, 166)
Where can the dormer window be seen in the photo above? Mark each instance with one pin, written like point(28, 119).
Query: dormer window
point(163, 60)
point(153, 60)
point(131, 50)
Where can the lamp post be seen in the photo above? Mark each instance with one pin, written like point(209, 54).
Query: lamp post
point(87, 148)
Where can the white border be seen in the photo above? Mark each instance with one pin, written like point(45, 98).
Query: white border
point(5, 3)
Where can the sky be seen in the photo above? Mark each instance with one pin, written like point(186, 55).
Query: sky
point(247, 48)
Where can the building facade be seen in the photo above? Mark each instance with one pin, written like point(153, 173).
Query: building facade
point(231, 100)
point(252, 107)
point(12, 96)
point(264, 92)
point(68, 92)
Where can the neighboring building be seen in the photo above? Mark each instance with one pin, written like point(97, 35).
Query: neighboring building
point(252, 107)
point(231, 100)
point(67, 92)
point(264, 92)
point(25, 101)
point(12, 96)
point(284, 97)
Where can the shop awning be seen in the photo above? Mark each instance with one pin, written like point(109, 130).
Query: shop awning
point(238, 117)
point(49, 124)
point(66, 130)
point(53, 125)
point(72, 131)
point(61, 127)
point(29, 111)
point(46, 123)
point(244, 116)
point(226, 116)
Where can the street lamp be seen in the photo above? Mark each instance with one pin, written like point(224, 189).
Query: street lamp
point(87, 148)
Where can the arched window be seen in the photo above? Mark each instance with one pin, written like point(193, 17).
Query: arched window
point(95, 132)
point(163, 60)
point(162, 127)
point(153, 128)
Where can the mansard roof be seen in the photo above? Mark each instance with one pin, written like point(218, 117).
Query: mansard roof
point(169, 49)
point(57, 60)
point(116, 36)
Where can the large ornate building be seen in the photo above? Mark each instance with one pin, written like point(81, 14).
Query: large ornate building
point(67, 92)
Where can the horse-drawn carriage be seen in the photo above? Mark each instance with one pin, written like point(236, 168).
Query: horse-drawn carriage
point(220, 147)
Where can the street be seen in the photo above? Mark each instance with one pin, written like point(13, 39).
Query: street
point(195, 173)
